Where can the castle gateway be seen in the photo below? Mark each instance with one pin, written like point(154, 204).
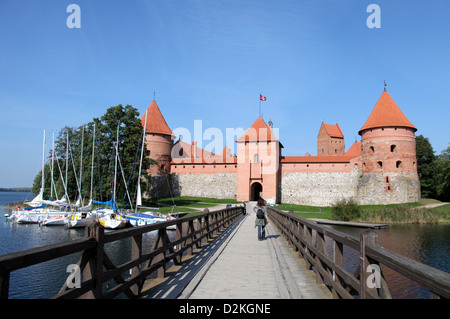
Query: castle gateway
point(381, 169)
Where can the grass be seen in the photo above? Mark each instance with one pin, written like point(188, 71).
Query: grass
point(404, 214)
point(385, 214)
point(304, 211)
point(185, 204)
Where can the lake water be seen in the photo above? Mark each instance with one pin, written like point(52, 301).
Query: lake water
point(429, 244)
point(43, 281)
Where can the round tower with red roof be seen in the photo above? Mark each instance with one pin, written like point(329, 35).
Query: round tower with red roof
point(389, 161)
point(159, 140)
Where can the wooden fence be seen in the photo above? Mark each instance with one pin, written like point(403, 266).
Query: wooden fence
point(309, 239)
point(97, 268)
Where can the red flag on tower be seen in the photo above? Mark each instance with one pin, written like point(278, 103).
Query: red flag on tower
point(262, 98)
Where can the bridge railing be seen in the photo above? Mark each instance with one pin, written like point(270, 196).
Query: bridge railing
point(368, 281)
point(96, 267)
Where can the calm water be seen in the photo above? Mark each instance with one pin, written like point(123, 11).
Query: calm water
point(44, 280)
point(429, 244)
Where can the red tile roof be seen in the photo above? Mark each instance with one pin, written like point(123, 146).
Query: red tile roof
point(186, 155)
point(355, 150)
point(316, 159)
point(386, 113)
point(352, 153)
point(259, 131)
point(155, 121)
point(333, 130)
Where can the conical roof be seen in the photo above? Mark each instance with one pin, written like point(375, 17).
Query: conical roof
point(386, 113)
point(155, 121)
point(259, 131)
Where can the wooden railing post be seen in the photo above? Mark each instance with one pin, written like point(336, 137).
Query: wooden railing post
point(367, 238)
point(4, 285)
point(136, 253)
point(94, 267)
point(338, 258)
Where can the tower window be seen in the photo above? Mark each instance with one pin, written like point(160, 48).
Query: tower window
point(398, 164)
point(372, 149)
point(256, 158)
point(393, 148)
point(380, 164)
point(387, 179)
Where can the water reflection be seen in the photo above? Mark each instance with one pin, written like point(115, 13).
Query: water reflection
point(428, 244)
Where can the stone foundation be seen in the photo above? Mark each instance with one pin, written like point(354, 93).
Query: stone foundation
point(392, 188)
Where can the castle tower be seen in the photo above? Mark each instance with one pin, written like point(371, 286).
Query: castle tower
point(330, 141)
point(258, 167)
point(389, 162)
point(159, 140)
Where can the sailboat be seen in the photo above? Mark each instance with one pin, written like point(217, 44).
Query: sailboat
point(85, 214)
point(38, 209)
point(111, 219)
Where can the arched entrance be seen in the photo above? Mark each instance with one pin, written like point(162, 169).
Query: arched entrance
point(255, 191)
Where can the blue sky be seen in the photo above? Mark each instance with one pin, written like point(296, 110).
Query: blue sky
point(314, 60)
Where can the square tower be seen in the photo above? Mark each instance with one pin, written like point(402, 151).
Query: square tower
point(258, 164)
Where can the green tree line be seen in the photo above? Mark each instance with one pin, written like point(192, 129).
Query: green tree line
point(433, 170)
point(122, 119)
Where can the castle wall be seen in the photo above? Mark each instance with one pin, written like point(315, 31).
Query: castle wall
point(218, 185)
point(316, 188)
point(392, 188)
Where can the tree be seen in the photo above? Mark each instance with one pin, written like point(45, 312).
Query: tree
point(426, 167)
point(443, 175)
point(77, 153)
point(122, 124)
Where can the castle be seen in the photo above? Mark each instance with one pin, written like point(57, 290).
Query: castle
point(381, 169)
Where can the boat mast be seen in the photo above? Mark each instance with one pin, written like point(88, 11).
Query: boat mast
point(115, 165)
point(67, 161)
point(81, 165)
point(53, 155)
point(43, 165)
point(139, 196)
point(92, 164)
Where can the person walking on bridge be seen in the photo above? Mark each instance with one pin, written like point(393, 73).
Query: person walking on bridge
point(261, 218)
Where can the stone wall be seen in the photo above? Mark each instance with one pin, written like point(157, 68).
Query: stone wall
point(319, 188)
point(159, 187)
point(219, 185)
point(392, 188)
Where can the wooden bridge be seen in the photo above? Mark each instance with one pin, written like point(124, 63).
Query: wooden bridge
point(217, 255)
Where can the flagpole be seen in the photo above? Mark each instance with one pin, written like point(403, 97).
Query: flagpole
point(260, 105)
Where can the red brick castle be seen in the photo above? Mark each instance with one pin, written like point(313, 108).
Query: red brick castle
point(380, 169)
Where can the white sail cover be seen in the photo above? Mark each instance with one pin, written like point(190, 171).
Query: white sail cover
point(37, 200)
point(86, 208)
point(139, 196)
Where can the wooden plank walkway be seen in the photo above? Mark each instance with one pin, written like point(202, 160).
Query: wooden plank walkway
point(238, 266)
